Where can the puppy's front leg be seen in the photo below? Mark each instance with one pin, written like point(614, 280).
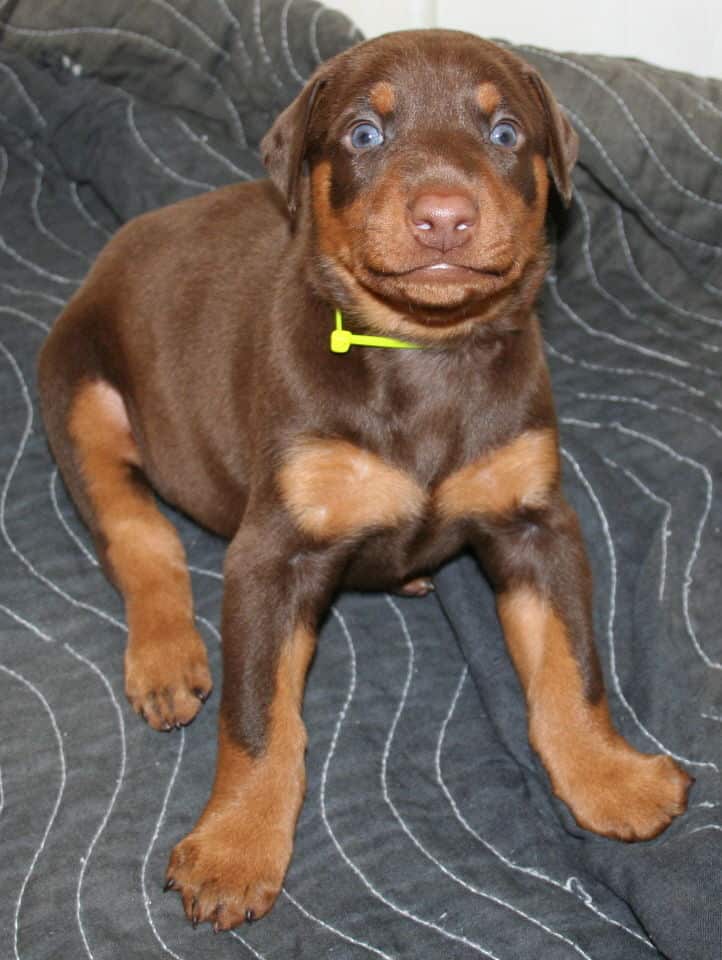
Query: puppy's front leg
point(231, 866)
point(537, 563)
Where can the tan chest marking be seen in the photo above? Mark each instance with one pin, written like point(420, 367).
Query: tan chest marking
point(520, 474)
point(335, 489)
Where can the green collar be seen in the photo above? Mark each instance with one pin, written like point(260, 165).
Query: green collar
point(342, 340)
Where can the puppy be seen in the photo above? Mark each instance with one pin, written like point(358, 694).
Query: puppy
point(340, 370)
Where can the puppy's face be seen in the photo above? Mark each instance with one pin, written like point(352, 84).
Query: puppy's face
point(428, 156)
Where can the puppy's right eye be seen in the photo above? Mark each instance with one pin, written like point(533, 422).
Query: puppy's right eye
point(366, 135)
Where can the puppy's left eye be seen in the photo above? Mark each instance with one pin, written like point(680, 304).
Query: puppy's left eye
point(366, 135)
point(504, 134)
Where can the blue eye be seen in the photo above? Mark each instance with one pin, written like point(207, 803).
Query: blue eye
point(366, 135)
point(504, 134)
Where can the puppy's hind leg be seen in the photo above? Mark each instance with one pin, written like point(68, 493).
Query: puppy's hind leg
point(166, 667)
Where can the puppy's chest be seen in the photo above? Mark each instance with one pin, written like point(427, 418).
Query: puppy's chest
point(335, 489)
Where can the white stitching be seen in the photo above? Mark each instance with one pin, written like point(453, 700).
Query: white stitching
point(61, 789)
point(619, 219)
point(116, 791)
point(142, 38)
point(155, 159)
point(39, 177)
point(665, 531)
point(567, 887)
point(313, 34)
point(339, 933)
point(628, 372)
point(551, 281)
point(193, 27)
point(17, 291)
point(284, 42)
point(613, 606)
point(675, 113)
point(83, 210)
point(715, 248)
point(80, 604)
point(417, 843)
point(262, 46)
point(66, 526)
point(238, 33)
point(15, 79)
point(212, 151)
point(154, 837)
point(651, 152)
point(324, 814)
point(630, 314)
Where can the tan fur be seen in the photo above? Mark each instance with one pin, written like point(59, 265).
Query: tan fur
point(165, 658)
point(520, 474)
point(488, 97)
point(609, 787)
point(334, 489)
point(382, 97)
point(244, 837)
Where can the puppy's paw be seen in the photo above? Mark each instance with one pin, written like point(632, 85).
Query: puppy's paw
point(167, 679)
point(630, 796)
point(229, 870)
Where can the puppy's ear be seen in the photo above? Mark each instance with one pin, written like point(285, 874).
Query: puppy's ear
point(562, 143)
point(283, 149)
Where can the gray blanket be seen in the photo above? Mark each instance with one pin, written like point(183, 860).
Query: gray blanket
point(429, 830)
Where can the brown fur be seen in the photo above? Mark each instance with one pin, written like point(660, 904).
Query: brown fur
point(253, 808)
point(166, 668)
point(195, 362)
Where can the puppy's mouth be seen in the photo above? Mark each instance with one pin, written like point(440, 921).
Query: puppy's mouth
point(442, 283)
point(451, 273)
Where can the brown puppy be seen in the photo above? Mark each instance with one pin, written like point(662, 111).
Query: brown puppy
point(409, 186)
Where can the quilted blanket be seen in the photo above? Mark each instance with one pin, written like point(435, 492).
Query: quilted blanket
point(429, 831)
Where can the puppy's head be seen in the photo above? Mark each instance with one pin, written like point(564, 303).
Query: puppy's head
point(425, 157)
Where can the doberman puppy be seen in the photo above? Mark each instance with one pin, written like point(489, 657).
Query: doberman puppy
point(408, 190)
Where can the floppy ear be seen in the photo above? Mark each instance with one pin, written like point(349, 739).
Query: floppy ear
point(283, 148)
point(562, 143)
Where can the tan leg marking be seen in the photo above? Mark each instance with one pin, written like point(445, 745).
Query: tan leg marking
point(610, 787)
point(335, 489)
point(166, 667)
point(231, 867)
point(520, 474)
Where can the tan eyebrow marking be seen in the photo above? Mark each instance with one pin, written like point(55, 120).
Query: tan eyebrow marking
point(382, 97)
point(488, 97)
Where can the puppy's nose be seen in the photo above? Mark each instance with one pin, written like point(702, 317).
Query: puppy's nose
point(442, 220)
